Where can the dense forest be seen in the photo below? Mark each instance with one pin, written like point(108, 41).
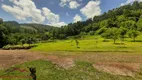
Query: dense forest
point(125, 21)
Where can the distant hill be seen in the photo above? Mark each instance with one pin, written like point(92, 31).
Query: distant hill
point(14, 26)
point(37, 27)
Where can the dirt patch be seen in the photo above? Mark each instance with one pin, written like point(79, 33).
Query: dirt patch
point(9, 58)
point(125, 64)
point(130, 57)
point(64, 62)
point(12, 57)
point(124, 69)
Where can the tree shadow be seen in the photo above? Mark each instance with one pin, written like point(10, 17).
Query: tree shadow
point(119, 43)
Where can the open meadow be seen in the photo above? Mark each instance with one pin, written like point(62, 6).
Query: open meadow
point(91, 43)
point(64, 60)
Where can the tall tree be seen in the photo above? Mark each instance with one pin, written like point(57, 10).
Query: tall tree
point(122, 32)
point(111, 33)
point(133, 34)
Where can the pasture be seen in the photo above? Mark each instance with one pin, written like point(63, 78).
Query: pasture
point(91, 43)
point(92, 59)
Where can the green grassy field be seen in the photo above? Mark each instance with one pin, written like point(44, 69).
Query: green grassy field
point(91, 44)
point(120, 57)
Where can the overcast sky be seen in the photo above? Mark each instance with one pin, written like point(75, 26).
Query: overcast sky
point(56, 12)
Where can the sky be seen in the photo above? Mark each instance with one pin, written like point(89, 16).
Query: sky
point(56, 12)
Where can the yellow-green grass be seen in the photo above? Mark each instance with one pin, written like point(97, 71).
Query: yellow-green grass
point(88, 45)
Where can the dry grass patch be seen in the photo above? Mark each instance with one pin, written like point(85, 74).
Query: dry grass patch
point(124, 69)
point(12, 57)
point(64, 62)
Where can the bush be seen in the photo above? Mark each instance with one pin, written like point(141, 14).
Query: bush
point(91, 33)
point(9, 47)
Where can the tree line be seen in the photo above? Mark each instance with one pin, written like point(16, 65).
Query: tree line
point(13, 33)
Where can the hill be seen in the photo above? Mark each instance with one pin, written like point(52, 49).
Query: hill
point(37, 27)
point(127, 17)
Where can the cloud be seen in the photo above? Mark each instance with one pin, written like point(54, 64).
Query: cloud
point(59, 24)
point(64, 2)
point(77, 18)
point(74, 5)
point(130, 1)
point(24, 9)
point(53, 19)
point(91, 9)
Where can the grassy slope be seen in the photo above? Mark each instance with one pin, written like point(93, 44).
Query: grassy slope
point(30, 28)
point(48, 71)
point(89, 44)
